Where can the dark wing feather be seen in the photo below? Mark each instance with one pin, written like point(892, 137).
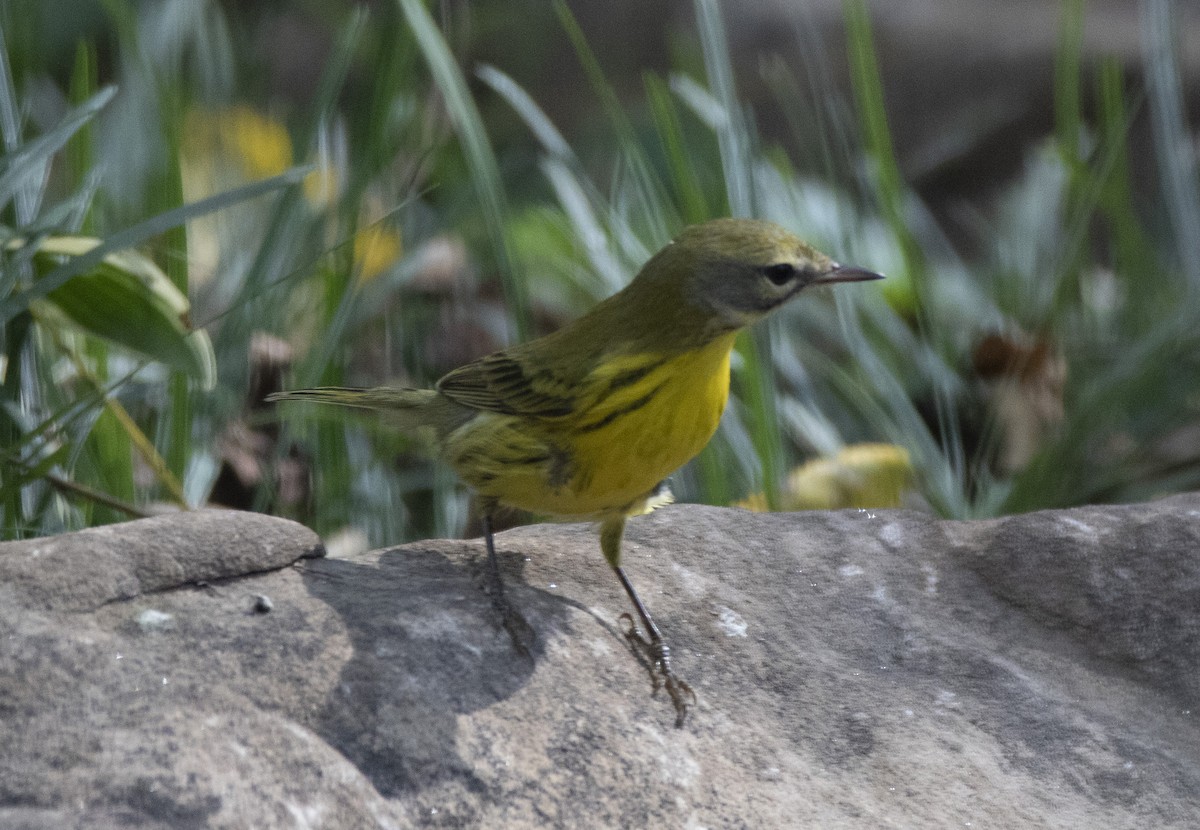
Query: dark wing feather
point(500, 383)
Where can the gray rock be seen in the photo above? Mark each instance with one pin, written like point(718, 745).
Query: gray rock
point(86, 570)
point(852, 669)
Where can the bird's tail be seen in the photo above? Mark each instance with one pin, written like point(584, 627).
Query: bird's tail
point(406, 408)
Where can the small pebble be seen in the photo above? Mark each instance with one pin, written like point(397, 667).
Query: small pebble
point(263, 604)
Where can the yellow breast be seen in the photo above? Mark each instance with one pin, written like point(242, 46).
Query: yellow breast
point(651, 430)
point(645, 416)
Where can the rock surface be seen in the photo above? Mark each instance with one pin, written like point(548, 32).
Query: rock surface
point(853, 669)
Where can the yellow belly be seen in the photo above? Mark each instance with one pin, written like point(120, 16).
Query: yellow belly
point(608, 458)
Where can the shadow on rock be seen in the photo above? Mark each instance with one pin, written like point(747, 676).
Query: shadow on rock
point(429, 645)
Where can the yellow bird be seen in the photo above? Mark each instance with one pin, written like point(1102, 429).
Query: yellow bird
point(587, 422)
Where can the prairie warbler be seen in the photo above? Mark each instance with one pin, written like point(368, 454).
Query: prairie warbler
point(587, 422)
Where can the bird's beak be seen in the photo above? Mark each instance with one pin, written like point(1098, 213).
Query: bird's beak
point(846, 273)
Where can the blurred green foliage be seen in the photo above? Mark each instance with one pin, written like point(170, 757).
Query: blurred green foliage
point(364, 227)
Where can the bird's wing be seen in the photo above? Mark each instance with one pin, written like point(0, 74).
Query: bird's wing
point(503, 383)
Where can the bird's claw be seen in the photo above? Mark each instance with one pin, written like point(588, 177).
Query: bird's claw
point(658, 659)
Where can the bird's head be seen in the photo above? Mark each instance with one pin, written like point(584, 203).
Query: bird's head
point(736, 271)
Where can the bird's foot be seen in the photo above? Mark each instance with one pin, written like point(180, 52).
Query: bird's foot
point(657, 656)
point(519, 631)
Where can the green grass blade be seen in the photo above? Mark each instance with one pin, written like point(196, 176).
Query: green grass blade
point(734, 143)
point(110, 457)
point(1068, 101)
point(80, 150)
point(477, 148)
point(23, 163)
point(534, 117)
point(175, 428)
point(645, 192)
point(127, 286)
point(889, 183)
point(733, 137)
point(1176, 152)
point(137, 234)
point(689, 193)
point(1133, 251)
point(10, 132)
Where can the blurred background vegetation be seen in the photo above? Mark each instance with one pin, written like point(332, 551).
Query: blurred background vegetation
point(202, 202)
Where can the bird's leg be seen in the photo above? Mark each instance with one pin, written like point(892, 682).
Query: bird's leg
point(681, 694)
point(497, 586)
point(518, 630)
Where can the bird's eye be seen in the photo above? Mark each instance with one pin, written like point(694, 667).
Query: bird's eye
point(780, 274)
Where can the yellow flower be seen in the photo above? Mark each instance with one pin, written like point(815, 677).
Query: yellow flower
point(262, 144)
point(861, 475)
point(376, 248)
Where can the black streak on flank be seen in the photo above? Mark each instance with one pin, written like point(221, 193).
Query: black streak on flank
point(631, 376)
point(625, 410)
point(528, 460)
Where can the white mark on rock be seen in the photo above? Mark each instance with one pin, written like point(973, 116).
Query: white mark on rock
point(680, 769)
point(892, 534)
point(598, 647)
point(676, 764)
point(946, 699)
point(153, 620)
point(299, 731)
point(440, 626)
point(693, 583)
point(931, 578)
point(1082, 527)
point(306, 816)
point(850, 570)
point(731, 622)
